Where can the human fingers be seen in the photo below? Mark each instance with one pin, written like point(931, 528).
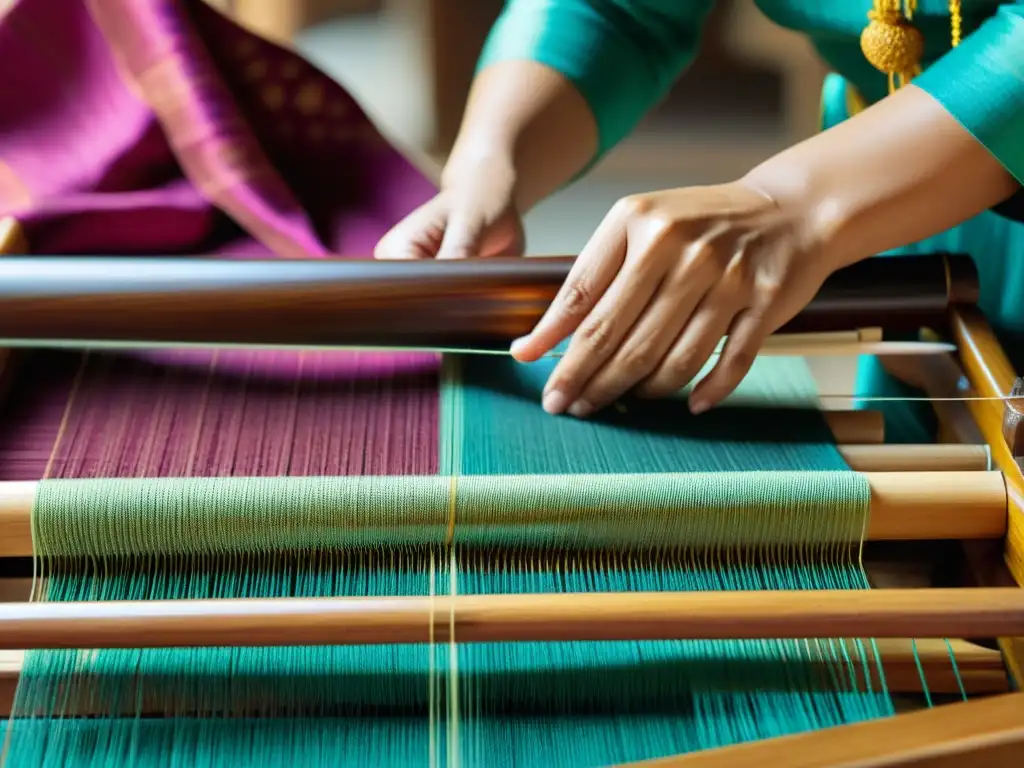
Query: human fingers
point(417, 236)
point(650, 339)
point(592, 273)
point(463, 234)
point(746, 337)
point(697, 342)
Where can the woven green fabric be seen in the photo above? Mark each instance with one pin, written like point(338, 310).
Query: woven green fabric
point(541, 505)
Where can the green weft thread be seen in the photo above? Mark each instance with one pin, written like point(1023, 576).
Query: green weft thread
point(223, 538)
point(142, 540)
point(748, 522)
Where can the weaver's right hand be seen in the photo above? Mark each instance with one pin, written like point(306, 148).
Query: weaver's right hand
point(474, 215)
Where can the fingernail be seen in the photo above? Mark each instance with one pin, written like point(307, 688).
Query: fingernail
point(555, 402)
point(581, 409)
point(698, 407)
point(517, 345)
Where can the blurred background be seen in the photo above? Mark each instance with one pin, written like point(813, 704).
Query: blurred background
point(752, 91)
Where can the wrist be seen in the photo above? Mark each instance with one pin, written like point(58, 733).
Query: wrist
point(470, 158)
point(823, 217)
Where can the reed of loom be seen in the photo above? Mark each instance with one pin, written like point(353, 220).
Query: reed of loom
point(946, 491)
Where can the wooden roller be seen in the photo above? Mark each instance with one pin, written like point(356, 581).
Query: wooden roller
point(426, 303)
point(938, 457)
point(904, 506)
point(935, 613)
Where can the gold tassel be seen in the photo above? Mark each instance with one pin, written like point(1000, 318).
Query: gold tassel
point(891, 44)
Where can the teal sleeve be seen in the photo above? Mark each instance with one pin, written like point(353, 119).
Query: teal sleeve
point(622, 55)
point(981, 84)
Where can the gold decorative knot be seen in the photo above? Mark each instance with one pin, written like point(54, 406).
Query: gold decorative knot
point(891, 44)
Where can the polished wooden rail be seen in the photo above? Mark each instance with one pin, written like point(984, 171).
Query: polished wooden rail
point(350, 302)
point(904, 506)
point(934, 613)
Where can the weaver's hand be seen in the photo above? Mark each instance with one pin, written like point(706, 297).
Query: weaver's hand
point(665, 277)
point(473, 216)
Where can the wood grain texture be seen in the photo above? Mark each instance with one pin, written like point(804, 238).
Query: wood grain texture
point(990, 374)
point(935, 613)
point(987, 733)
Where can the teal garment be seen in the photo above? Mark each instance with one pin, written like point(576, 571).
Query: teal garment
point(624, 56)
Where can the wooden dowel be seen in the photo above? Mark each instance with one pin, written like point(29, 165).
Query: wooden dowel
point(514, 618)
point(904, 506)
point(988, 733)
point(799, 348)
point(980, 669)
point(856, 427)
point(944, 457)
point(353, 302)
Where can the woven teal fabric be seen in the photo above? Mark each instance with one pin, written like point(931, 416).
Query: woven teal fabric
point(639, 501)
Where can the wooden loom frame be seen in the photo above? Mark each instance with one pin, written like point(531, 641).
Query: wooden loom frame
point(991, 505)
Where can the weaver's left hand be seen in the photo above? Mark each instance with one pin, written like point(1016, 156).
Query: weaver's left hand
point(665, 277)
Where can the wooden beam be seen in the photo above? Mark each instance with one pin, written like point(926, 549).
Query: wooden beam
point(988, 732)
point(904, 506)
point(992, 375)
point(934, 613)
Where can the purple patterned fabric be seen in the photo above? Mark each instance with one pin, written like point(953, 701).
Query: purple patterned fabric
point(161, 127)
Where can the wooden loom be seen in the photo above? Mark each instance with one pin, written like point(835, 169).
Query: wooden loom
point(965, 495)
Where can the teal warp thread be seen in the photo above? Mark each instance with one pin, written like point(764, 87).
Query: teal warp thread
point(755, 527)
point(504, 433)
point(650, 699)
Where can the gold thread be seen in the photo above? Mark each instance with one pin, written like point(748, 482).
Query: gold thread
point(955, 22)
point(453, 666)
point(452, 494)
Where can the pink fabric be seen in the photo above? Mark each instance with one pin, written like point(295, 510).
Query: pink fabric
point(161, 127)
point(141, 127)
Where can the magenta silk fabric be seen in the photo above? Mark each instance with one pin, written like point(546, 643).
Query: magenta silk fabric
point(160, 127)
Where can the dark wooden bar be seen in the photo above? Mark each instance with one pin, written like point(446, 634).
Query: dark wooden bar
point(348, 302)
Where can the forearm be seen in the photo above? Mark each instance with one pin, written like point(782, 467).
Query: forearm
point(899, 172)
point(528, 121)
point(563, 81)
